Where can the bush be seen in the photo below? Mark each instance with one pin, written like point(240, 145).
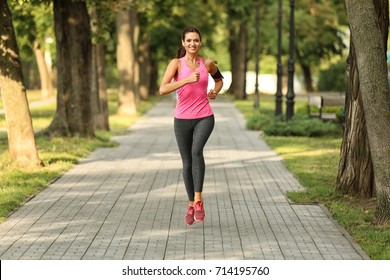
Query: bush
point(258, 120)
point(333, 78)
point(302, 126)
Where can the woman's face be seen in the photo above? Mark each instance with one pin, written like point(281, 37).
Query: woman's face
point(191, 42)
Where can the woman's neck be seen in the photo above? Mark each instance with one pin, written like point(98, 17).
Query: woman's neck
point(192, 58)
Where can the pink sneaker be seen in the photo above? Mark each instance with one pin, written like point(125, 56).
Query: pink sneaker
point(199, 211)
point(189, 217)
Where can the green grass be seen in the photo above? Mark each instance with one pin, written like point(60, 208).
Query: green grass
point(314, 162)
point(57, 154)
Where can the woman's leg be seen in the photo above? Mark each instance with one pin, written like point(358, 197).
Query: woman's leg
point(191, 137)
point(184, 136)
point(202, 132)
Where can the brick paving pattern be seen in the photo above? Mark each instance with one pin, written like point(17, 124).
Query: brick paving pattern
point(128, 202)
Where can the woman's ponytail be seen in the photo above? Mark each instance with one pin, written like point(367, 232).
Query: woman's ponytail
point(181, 52)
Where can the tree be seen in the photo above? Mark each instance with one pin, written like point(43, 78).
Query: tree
point(371, 64)
point(126, 60)
point(318, 36)
point(239, 16)
point(356, 174)
point(73, 40)
point(33, 26)
point(21, 141)
point(99, 99)
point(44, 72)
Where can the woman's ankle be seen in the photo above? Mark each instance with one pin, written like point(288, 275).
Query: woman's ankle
point(198, 197)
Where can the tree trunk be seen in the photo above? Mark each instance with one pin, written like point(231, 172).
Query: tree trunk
point(144, 67)
point(102, 83)
point(74, 54)
point(99, 100)
point(134, 32)
point(307, 77)
point(237, 49)
point(125, 62)
point(153, 86)
point(371, 64)
point(44, 74)
point(21, 141)
point(356, 174)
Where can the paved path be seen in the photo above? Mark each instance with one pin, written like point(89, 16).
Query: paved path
point(129, 202)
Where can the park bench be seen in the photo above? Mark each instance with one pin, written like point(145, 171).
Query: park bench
point(322, 100)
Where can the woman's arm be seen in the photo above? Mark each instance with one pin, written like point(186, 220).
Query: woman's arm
point(213, 69)
point(167, 85)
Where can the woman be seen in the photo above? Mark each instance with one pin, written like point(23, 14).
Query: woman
point(193, 119)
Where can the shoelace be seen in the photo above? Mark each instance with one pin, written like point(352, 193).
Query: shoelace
point(198, 205)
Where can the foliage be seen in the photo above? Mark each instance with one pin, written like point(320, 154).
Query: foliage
point(333, 78)
point(163, 22)
point(314, 21)
point(166, 20)
point(300, 125)
point(33, 22)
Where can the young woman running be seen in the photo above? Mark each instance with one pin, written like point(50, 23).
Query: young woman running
point(187, 74)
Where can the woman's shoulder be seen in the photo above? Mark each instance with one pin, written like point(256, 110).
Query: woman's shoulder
point(175, 61)
point(209, 62)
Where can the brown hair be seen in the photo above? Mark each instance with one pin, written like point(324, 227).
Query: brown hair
point(182, 51)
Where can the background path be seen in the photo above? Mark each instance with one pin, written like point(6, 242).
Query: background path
point(129, 202)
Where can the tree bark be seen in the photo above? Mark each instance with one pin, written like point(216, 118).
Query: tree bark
point(307, 77)
point(44, 74)
point(153, 85)
point(237, 50)
point(144, 67)
point(125, 62)
point(21, 141)
point(371, 64)
point(74, 54)
point(135, 33)
point(356, 174)
point(102, 83)
point(99, 102)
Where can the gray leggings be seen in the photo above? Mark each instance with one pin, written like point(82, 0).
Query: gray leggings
point(191, 137)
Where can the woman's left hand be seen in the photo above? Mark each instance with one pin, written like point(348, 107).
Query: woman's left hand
point(212, 94)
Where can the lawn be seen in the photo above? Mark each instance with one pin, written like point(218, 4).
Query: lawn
point(314, 162)
point(58, 154)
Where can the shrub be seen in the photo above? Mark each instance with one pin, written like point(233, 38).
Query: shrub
point(302, 126)
point(333, 78)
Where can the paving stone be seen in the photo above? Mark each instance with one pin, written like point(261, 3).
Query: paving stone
point(129, 201)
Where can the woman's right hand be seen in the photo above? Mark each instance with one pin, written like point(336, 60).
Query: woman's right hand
point(194, 77)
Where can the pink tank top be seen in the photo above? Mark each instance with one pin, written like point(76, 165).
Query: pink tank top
point(192, 100)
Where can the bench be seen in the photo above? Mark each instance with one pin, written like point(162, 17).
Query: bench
point(321, 100)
